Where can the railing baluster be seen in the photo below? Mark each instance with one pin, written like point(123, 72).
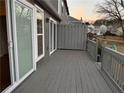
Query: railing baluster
point(114, 66)
point(112, 62)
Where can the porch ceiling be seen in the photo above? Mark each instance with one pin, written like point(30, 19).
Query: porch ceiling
point(65, 72)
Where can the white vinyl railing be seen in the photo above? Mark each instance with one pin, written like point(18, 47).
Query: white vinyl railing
point(113, 65)
point(92, 49)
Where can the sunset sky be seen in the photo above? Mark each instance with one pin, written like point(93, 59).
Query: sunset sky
point(84, 8)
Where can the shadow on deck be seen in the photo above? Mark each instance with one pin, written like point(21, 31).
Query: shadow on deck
point(65, 71)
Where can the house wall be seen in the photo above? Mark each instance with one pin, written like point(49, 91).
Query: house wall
point(46, 35)
point(54, 3)
point(63, 12)
point(64, 16)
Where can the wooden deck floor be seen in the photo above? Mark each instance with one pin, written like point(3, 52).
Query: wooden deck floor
point(65, 71)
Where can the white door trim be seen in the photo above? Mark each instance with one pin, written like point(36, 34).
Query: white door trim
point(37, 58)
point(51, 32)
point(10, 43)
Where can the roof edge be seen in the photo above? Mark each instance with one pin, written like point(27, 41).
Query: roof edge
point(66, 5)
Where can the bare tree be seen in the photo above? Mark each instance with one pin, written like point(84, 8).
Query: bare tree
point(113, 9)
point(121, 3)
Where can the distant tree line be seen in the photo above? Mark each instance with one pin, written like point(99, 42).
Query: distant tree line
point(106, 22)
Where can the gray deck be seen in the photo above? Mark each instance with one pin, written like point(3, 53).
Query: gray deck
point(65, 71)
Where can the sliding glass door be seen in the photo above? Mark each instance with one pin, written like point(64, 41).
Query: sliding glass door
point(16, 43)
point(23, 39)
point(52, 36)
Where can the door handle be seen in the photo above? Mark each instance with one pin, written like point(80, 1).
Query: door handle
point(10, 44)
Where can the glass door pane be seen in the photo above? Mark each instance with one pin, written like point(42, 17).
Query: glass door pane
point(39, 33)
point(24, 38)
point(40, 45)
point(54, 36)
point(51, 29)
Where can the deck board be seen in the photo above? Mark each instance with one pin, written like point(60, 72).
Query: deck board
point(66, 71)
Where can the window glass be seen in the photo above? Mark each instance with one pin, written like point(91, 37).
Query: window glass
point(24, 38)
point(62, 7)
point(39, 33)
point(54, 36)
point(39, 23)
point(40, 45)
point(51, 37)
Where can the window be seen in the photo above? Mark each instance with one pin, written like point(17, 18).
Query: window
point(52, 36)
point(39, 34)
point(62, 7)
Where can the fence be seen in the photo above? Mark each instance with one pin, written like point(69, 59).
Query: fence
point(92, 49)
point(113, 65)
point(72, 36)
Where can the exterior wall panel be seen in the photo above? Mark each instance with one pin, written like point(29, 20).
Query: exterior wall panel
point(54, 3)
point(72, 37)
point(64, 16)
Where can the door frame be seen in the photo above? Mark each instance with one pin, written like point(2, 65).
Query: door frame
point(50, 32)
point(37, 58)
point(26, 4)
point(13, 43)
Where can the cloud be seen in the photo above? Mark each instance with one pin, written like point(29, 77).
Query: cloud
point(83, 8)
point(77, 12)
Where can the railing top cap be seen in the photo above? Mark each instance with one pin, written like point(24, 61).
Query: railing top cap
point(116, 54)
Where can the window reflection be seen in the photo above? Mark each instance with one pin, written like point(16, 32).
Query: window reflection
point(23, 12)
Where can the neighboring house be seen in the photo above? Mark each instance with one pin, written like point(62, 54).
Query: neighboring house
point(72, 20)
point(28, 35)
point(119, 31)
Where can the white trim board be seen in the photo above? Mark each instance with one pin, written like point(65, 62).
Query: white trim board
point(10, 43)
point(51, 20)
point(37, 58)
